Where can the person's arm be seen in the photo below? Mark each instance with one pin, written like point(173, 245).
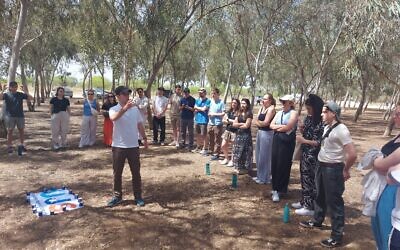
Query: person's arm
point(116, 115)
point(69, 110)
point(316, 138)
point(143, 134)
point(97, 106)
point(382, 165)
point(236, 123)
point(222, 112)
point(268, 117)
point(351, 157)
point(247, 124)
point(29, 97)
point(165, 108)
point(291, 124)
point(275, 126)
point(51, 106)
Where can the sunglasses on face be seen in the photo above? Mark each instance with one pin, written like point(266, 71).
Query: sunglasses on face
point(110, 96)
point(90, 94)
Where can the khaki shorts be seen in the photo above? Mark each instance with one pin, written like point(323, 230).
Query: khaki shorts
point(228, 136)
point(12, 122)
point(201, 129)
point(175, 122)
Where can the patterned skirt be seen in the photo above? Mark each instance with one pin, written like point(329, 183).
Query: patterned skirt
point(242, 152)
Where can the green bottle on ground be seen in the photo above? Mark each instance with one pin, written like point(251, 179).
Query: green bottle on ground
point(286, 214)
point(208, 169)
point(234, 180)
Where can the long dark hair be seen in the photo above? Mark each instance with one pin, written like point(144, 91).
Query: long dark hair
point(316, 103)
point(247, 112)
point(58, 89)
point(237, 106)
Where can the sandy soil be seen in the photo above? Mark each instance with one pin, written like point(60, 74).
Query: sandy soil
point(185, 209)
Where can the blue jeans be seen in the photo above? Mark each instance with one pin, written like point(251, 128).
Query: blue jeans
point(381, 224)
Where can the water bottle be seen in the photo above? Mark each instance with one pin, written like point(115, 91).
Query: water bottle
point(234, 180)
point(208, 170)
point(286, 214)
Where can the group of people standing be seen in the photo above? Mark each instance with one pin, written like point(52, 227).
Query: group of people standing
point(326, 148)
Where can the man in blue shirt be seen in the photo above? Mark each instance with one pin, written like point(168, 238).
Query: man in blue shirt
point(201, 118)
point(215, 125)
point(14, 114)
point(187, 114)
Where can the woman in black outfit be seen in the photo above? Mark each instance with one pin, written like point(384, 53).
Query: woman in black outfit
point(311, 131)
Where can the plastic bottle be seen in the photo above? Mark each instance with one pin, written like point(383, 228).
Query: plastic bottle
point(208, 170)
point(286, 214)
point(234, 180)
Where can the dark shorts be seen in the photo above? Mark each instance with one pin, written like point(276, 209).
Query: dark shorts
point(201, 129)
point(12, 122)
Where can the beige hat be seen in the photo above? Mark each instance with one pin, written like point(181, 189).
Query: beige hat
point(202, 90)
point(289, 98)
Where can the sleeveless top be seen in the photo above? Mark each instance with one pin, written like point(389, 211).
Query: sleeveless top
point(391, 146)
point(282, 118)
point(242, 119)
point(261, 117)
point(86, 107)
point(231, 115)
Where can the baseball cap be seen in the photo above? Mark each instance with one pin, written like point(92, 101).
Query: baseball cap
point(289, 98)
point(335, 108)
point(122, 90)
point(202, 90)
point(186, 90)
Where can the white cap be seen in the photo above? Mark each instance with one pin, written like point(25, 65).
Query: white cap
point(287, 98)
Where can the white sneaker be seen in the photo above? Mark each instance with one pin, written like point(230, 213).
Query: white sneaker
point(304, 211)
point(224, 162)
point(259, 182)
point(255, 178)
point(275, 196)
point(230, 164)
point(173, 143)
point(297, 205)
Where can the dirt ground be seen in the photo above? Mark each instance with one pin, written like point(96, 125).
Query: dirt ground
point(185, 209)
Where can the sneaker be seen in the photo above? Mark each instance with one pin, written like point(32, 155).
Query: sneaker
point(304, 211)
point(275, 196)
point(114, 201)
point(204, 152)
point(255, 178)
point(10, 150)
point(196, 150)
point(230, 164)
point(139, 202)
point(297, 205)
point(224, 162)
point(173, 143)
point(162, 143)
point(214, 157)
point(310, 224)
point(330, 243)
point(260, 182)
point(56, 147)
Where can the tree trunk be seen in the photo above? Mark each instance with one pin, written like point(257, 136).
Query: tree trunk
point(42, 84)
point(364, 86)
point(31, 107)
point(389, 127)
point(346, 98)
point(16, 47)
point(366, 104)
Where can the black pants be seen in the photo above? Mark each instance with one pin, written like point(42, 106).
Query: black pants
point(281, 163)
point(329, 182)
point(394, 240)
point(119, 157)
point(158, 123)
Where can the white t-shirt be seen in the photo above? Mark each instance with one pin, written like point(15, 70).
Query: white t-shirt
point(396, 212)
point(142, 105)
point(125, 131)
point(332, 148)
point(159, 104)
